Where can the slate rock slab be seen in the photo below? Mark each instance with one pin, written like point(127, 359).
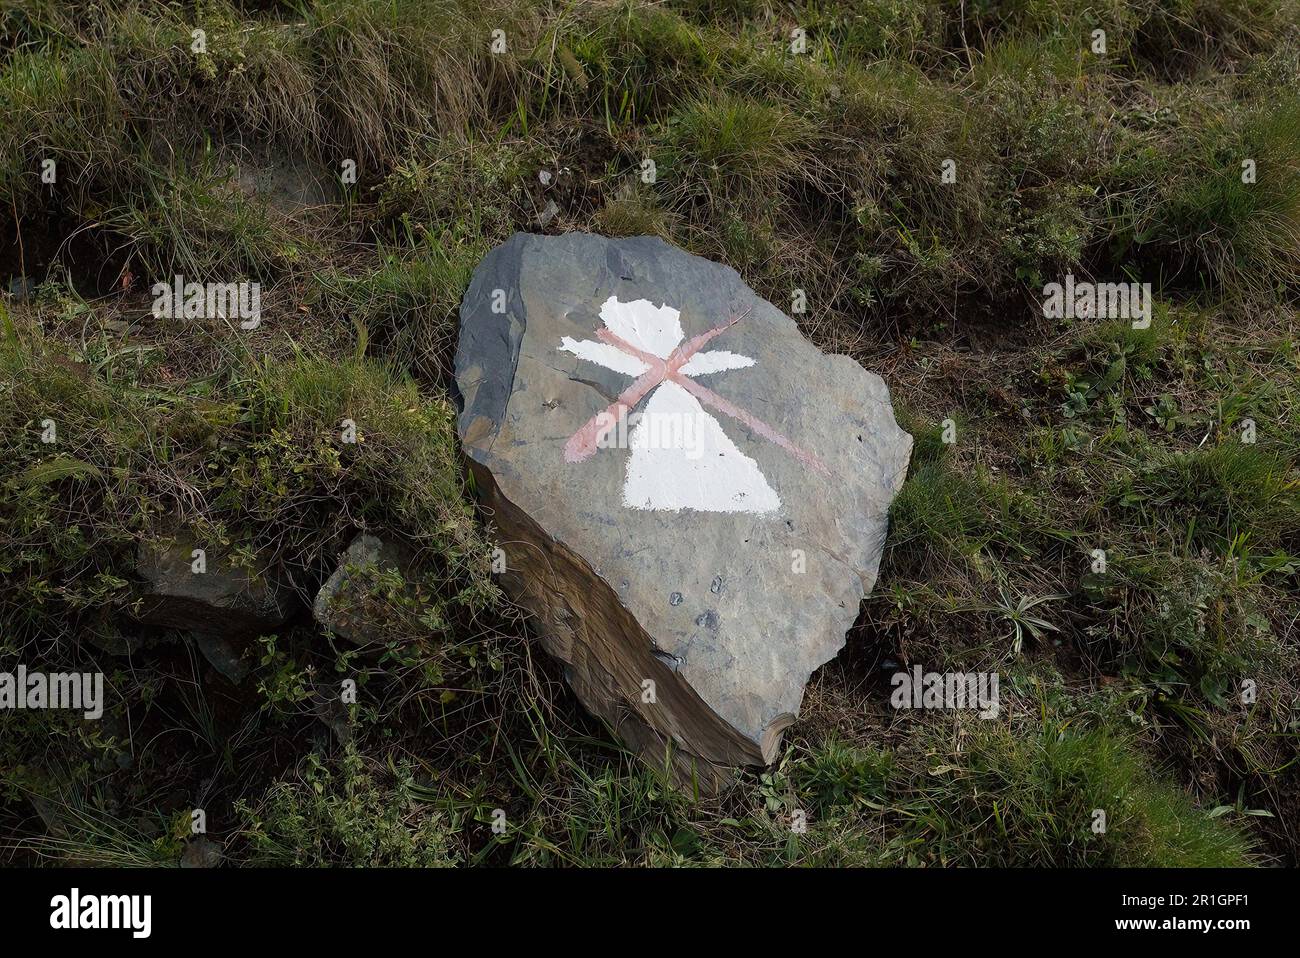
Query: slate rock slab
point(692, 497)
point(222, 600)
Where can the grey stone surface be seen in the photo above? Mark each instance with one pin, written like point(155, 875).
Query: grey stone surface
point(223, 600)
point(348, 615)
point(201, 852)
point(224, 656)
point(708, 605)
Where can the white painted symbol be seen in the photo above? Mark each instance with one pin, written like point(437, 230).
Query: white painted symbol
point(708, 473)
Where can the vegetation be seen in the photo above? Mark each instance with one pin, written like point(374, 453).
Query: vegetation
point(1106, 516)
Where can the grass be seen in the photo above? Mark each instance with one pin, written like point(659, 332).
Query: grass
point(1049, 788)
point(1216, 493)
point(1085, 514)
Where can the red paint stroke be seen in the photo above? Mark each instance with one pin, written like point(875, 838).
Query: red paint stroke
point(582, 445)
point(710, 398)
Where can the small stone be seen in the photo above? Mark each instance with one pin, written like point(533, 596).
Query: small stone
point(22, 288)
point(223, 656)
point(343, 603)
point(201, 852)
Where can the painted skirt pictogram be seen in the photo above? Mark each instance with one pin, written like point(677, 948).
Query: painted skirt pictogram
point(680, 456)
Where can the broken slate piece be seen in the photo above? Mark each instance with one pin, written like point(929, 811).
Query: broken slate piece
point(224, 656)
point(343, 603)
point(691, 496)
point(222, 599)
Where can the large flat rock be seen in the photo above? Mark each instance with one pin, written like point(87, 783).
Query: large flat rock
point(692, 572)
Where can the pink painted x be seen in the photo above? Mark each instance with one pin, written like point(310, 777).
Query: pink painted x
point(584, 443)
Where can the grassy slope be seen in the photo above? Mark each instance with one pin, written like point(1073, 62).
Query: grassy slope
point(818, 172)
